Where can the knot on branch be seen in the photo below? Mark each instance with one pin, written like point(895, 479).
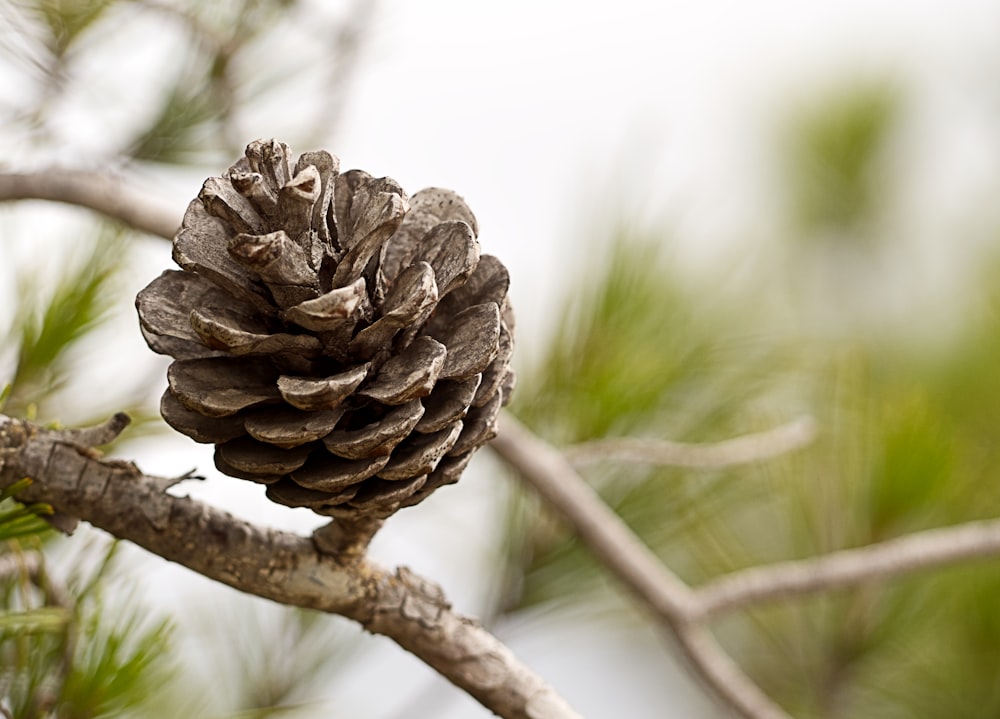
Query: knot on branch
point(27, 450)
point(65, 466)
point(405, 596)
point(423, 600)
point(90, 437)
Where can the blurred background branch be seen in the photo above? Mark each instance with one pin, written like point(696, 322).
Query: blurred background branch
point(918, 551)
point(113, 198)
point(739, 450)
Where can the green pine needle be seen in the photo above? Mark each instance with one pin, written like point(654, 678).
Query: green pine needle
point(18, 521)
point(67, 20)
point(48, 327)
point(31, 621)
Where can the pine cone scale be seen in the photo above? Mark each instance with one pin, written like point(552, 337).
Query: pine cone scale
point(282, 264)
point(451, 249)
point(290, 494)
point(222, 200)
point(195, 383)
point(369, 236)
point(473, 340)
point(380, 495)
point(378, 438)
point(164, 307)
point(493, 377)
point(331, 310)
point(224, 333)
point(256, 459)
point(201, 428)
point(327, 473)
point(289, 427)
point(480, 425)
point(420, 453)
point(197, 249)
point(315, 394)
point(411, 300)
point(450, 401)
point(409, 374)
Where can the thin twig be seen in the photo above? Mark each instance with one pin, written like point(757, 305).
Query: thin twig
point(672, 602)
point(739, 450)
point(723, 675)
point(849, 567)
point(108, 195)
point(598, 526)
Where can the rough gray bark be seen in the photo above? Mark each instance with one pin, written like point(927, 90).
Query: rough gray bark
point(117, 497)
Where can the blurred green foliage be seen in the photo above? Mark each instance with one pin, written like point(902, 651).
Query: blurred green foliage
point(219, 83)
point(66, 20)
point(635, 357)
point(59, 656)
point(907, 441)
point(17, 520)
point(177, 133)
point(272, 661)
point(47, 325)
point(836, 158)
point(61, 652)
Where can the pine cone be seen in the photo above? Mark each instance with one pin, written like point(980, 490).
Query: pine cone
point(337, 341)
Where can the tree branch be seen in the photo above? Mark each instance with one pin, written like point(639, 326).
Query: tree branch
point(849, 567)
point(685, 611)
point(284, 567)
point(603, 531)
point(739, 450)
point(110, 196)
point(672, 602)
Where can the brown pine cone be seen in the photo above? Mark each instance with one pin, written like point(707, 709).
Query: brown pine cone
point(337, 341)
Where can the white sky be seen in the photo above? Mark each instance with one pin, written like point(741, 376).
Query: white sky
point(550, 117)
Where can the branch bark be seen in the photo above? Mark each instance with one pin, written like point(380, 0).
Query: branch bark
point(107, 195)
point(117, 497)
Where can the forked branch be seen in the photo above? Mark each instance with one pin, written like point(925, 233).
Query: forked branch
point(686, 611)
point(671, 601)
